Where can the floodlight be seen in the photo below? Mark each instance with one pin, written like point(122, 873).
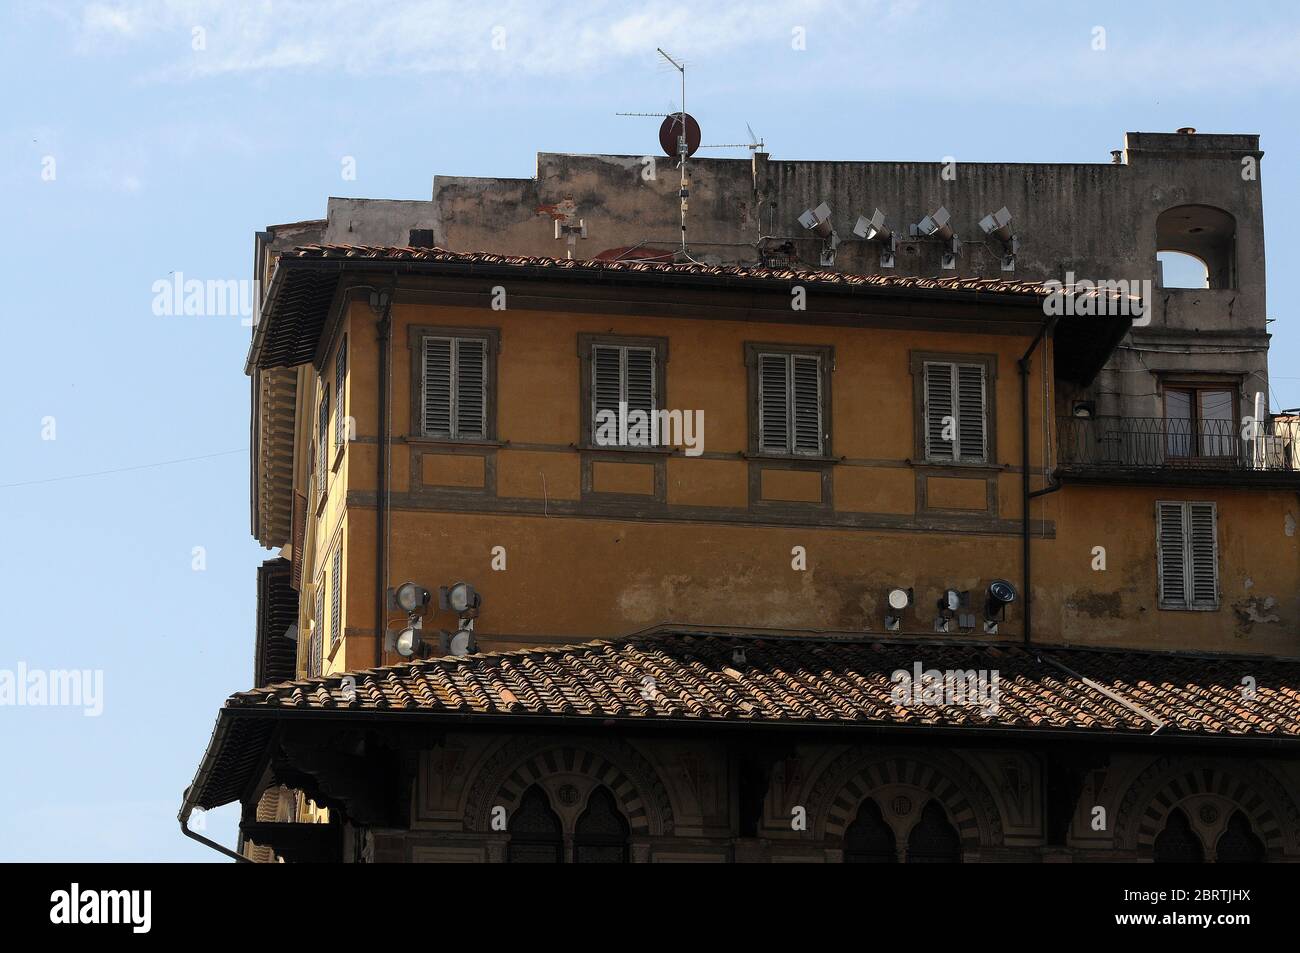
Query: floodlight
point(900, 598)
point(409, 643)
point(935, 225)
point(461, 598)
point(874, 229)
point(1000, 595)
point(409, 597)
point(1086, 409)
point(460, 642)
point(997, 225)
point(818, 220)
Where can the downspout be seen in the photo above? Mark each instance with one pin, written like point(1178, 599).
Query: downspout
point(1044, 330)
point(384, 337)
point(187, 809)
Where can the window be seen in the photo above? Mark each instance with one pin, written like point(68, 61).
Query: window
point(1238, 843)
point(600, 835)
point(956, 414)
point(535, 833)
point(336, 596)
point(1196, 247)
point(1187, 545)
point(1178, 843)
point(623, 383)
point(1200, 420)
point(453, 382)
point(322, 443)
point(790, 406)
point(869, 839)
point(340, 379)
point(933, 840)
point(317, 627)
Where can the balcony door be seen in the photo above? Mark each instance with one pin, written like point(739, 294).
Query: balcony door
point(1200, 423)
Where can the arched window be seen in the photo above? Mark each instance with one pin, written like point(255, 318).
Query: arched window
point(600, 836)
point(869, 839)
point(1238, 843)
point(535, 834)
point(1196, 246)
point(933, 840)
point(1178, 843)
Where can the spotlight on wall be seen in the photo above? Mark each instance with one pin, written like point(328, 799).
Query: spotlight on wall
point(462, 599)
point(936, 225)
point(818, 221)
point(460, 642)
point(1000, 595)
point(408, 643)
point(898, 600)
point(874, 229)
point(1086, 409)
point(409, 597)
point(998, 225)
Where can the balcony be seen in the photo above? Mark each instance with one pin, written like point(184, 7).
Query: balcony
point(1161, 450)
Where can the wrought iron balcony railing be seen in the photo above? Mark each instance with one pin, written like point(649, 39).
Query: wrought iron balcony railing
point(1157, 443)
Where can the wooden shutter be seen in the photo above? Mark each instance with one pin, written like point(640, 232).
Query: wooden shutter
point(971, 412)
point(623, 374)
point(435, 387)
point(317, 627)
point(774, 403)
point(1171, 546)
point(938, 405)
point(1203, 561)
point(336, 595)
point(806, 403)
point(340, 377)
point(323, 442)
point(471, 388)
point(299, 536)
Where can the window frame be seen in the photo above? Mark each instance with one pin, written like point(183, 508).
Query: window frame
point(586, 347)
point(1194, 386)
point(825, 354)
point(416, 335)
point(336, 596)
point(1189, 603)
point(917, 361)
point(340, 436)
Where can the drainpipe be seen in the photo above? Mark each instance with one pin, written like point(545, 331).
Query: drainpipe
point(186, 810)
point(1044, 330)
point(384, 336)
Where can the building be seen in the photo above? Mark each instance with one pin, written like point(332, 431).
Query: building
point(791, 546)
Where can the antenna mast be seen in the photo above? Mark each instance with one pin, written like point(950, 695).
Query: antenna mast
point(682, 150)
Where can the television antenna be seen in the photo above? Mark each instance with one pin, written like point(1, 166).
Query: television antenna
point(755, 144)
point(679, 134)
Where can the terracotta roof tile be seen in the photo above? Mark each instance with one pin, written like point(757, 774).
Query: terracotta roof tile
point(704, 677)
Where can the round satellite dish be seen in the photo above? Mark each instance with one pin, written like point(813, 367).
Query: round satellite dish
point(670, 129)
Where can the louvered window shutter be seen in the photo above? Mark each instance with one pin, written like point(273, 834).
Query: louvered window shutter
point(336, 596)
point(1171, 544)
point(639, 390)
point(956, 401)
point(970, 412)
point(471, 388)
point(322, 442)
point(938, 406)
point(453, 393)
point(340, 376)
point(774, 403)
point(1202, 546)
point(623, 375)
point(318, 625)
point(435, 397)
point(806, 403)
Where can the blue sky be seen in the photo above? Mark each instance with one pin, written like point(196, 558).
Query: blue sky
point(167, 158)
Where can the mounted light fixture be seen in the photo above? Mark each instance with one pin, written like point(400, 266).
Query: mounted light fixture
point(461, 598)
point(1000, 595)
point(898, 600)
point(936, 225)
point(409, 597)
point(408, 643)
point(874, 229)
point(460, 642)
point(818, 221)
point(998, 225)
point(1085, 409)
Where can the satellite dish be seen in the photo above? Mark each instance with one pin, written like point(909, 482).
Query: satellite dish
point(670, 129)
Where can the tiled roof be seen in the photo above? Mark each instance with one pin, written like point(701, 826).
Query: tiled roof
point(580, 265)
point(713, 678)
